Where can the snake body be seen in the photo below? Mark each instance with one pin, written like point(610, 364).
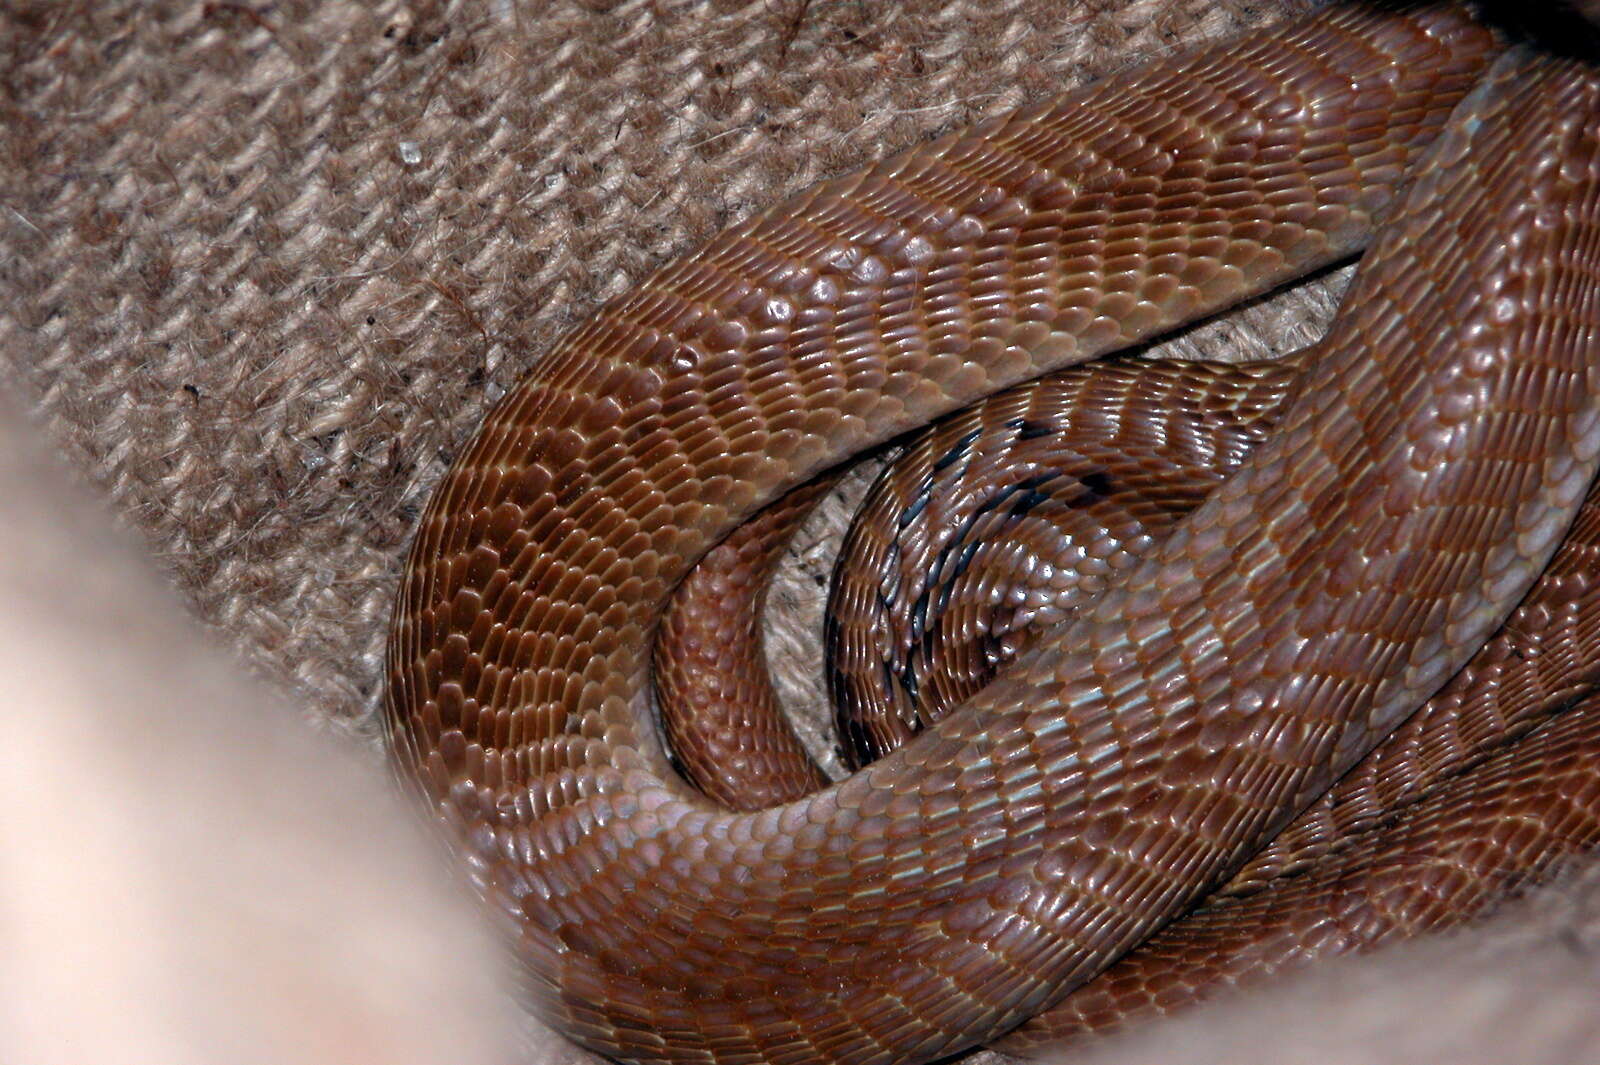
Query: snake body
point(1418, 481)
point(984, 533)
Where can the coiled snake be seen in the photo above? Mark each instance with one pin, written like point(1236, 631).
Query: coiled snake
point(1419, 478)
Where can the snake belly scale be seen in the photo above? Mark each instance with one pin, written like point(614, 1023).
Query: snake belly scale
point(1417, 483)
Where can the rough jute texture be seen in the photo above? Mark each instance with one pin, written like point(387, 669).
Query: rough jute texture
point(263, 266)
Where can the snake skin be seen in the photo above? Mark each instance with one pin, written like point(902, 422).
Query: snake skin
point(719, 713)
point(1167, 433)
point(1163, 434)
point(1462, 849)
point(1018, 845)
point(1007, 517)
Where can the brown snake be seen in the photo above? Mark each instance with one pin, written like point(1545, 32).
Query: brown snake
point(1418, 481)
point(1102, 457)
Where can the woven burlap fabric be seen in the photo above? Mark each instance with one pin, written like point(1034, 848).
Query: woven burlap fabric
point(263, 265)
point(266, 264)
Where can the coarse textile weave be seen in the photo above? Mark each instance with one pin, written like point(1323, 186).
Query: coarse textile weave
point(265, 265)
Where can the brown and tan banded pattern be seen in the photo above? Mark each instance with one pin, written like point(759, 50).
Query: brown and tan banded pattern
point(1016, 847)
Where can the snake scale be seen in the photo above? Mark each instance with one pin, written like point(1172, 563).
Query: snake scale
point(1439, 822)
point(1420, 476)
